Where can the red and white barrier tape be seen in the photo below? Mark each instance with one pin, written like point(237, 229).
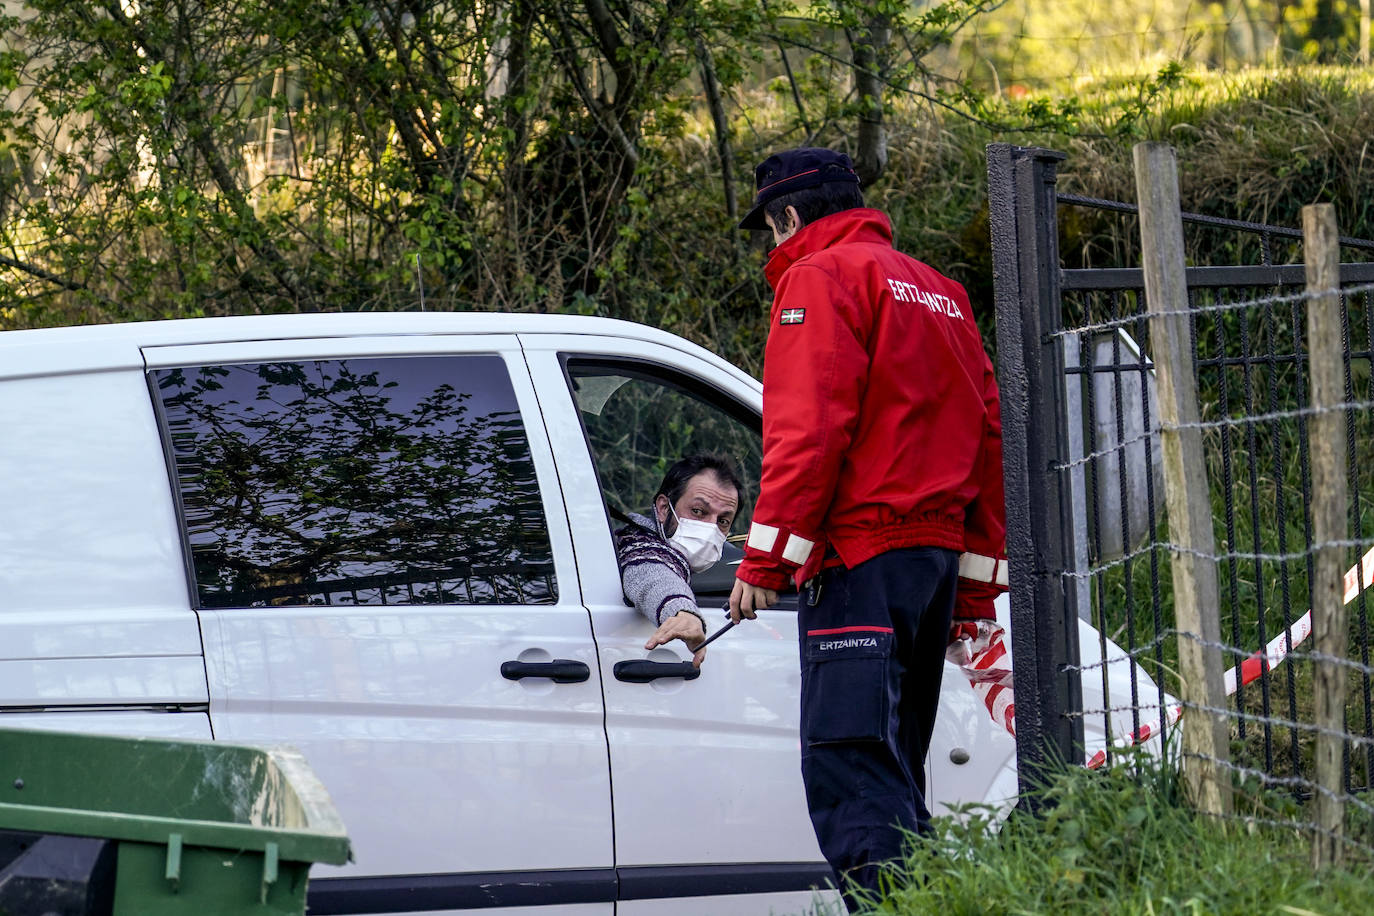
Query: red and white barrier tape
point(981, 658)
point(1250, 670)
point(978, 659)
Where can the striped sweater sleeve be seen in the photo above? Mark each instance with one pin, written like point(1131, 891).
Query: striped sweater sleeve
point(653, 575)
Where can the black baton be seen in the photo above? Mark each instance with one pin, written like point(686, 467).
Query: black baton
point(718, 633)
point(713, 637)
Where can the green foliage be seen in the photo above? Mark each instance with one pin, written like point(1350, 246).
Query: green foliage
point(169, 160)
point(1059, 45)
point(252, 157)
point(1121, 840)
point(172, 160)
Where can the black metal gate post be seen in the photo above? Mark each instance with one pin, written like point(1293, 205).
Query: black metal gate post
point(1044, 612)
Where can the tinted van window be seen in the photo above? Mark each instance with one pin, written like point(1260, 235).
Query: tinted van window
point(357, 481)
point(641, 419)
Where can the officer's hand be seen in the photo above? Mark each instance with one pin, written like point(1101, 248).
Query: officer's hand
point(683, 625)
point(745, 599)
point(962, 629)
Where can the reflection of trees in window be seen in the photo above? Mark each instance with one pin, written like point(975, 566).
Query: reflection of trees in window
point(639, 427)
point(365, 481)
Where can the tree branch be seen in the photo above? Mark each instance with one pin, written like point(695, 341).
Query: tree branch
point(69, 285)
point(572, 66)
point(723, 146)
point(197, 126)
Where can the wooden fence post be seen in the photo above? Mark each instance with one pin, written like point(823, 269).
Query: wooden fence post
point(1330, 511)
point(1196, 596)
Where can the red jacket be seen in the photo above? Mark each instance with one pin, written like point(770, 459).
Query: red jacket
point(881, 422)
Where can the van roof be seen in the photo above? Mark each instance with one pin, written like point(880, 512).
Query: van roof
point(103, 347)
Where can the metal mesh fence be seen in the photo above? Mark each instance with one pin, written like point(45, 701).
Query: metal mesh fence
point(1251, 362)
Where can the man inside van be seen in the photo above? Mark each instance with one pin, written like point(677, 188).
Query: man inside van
point(683, 533)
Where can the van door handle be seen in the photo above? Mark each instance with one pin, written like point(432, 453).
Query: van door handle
point(641, 671)
point(560, 670)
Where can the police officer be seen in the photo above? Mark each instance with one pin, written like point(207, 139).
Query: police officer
point(882, 489)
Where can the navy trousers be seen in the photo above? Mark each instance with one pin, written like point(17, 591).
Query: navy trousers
point(873, 650)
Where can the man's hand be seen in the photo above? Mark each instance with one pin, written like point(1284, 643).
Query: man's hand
point(745, 599)
point(683, 625)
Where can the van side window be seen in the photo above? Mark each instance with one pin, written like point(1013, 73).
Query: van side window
point(640, 418)
point(405, 480)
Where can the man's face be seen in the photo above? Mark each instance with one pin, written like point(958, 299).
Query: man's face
point(705, 499)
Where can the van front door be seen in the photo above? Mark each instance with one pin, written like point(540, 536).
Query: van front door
point(710, 814)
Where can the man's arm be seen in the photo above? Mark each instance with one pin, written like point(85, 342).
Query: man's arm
point(651, 577)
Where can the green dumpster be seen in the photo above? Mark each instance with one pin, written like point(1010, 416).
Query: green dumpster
point(178, 827)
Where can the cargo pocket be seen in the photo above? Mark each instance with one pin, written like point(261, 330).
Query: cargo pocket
point(846, 685)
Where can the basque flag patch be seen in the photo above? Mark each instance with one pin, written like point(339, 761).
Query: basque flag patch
point(792, 316)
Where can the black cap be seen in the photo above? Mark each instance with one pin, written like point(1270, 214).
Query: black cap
point(793, 170)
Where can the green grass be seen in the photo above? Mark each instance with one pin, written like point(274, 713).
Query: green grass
point(1123, 841)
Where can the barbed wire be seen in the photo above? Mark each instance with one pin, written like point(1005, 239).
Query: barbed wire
point(1307, 655)
point(1146, 702)
point(1108, 452)
point(1291, 557)
point(1236, 715)
point(1308, 826)
point(1112, 324)
point(1098, 711)
point(1122, 560)
point(1143, 649)
point(1127, 655)
point(1146, 549)
point(1294, 782)
point(1291, 414)
point(1270, 417)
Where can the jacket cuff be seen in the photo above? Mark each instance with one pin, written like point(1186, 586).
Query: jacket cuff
point(779, 546)
point(695, 612)
point(987, 570)
point(762, 577)
point(973, 601)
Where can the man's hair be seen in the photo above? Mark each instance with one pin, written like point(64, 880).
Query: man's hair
point(675, 481)
point(816, 202)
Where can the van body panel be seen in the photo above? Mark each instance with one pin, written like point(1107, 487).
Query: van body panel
point(165, 680)
point(111, 632)
point(435, 762)
point(94, 607)
point(87, 523)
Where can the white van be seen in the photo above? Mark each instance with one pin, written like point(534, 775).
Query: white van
point(386, 540)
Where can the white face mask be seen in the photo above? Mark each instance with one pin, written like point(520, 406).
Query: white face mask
point(700, 542)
